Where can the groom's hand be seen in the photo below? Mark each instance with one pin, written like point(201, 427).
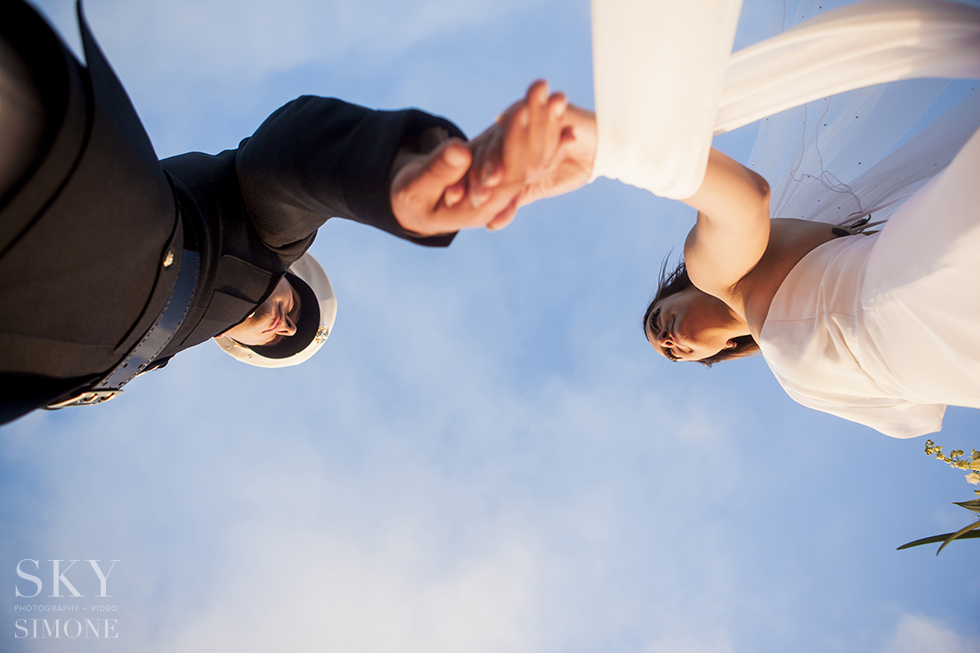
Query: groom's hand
point(457, 185)
point(419, 183)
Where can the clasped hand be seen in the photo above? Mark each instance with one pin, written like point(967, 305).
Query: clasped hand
point(539, 147)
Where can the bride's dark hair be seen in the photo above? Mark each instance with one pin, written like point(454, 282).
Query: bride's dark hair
point(677, 280)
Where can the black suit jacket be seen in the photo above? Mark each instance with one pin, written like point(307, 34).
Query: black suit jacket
point(84, 237)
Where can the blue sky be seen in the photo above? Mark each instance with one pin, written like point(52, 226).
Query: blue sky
point(486, 455)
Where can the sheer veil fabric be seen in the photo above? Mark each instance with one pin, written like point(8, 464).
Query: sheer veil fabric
point(662, 89)
point(862, 152)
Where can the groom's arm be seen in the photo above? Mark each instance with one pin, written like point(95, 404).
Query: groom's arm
point(319, 158)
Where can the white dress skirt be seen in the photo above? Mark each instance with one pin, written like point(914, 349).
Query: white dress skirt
point(884, 329)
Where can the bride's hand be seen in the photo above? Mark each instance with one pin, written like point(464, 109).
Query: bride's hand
point(514, 152)
point(571, 165)
point(558, 154)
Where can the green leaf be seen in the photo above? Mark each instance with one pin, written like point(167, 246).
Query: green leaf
point(963, 531)
point(970, 505)
point(942, 538)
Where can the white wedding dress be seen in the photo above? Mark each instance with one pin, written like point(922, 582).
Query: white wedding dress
point(881, 329)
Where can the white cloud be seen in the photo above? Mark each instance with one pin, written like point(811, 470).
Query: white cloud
point(483, 518)
point(689, 645)
point(312, 590)
point(920, 634)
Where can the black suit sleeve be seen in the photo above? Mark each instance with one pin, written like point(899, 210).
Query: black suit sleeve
point(317, 158)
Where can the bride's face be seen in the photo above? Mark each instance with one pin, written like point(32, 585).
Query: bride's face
point(690, 325)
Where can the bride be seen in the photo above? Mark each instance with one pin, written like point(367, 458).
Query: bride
point(880, 328)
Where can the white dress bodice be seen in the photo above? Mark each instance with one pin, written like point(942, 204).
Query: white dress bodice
point(884, 330)
point(816, 343)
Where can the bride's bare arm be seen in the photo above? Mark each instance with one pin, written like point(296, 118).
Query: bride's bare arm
point(732, 229)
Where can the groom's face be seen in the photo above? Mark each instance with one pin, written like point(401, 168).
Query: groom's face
point(274, 319)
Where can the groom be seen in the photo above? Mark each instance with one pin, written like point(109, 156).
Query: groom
point(104, 249)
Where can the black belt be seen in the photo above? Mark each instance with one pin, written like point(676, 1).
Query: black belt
point(152, 343)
